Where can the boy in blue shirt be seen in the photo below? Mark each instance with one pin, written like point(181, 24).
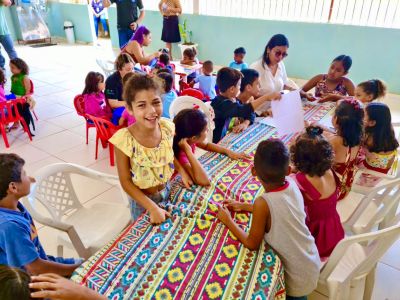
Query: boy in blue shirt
point(19, 242)
point(207, 81)
point(238, 58)
point(169, 94)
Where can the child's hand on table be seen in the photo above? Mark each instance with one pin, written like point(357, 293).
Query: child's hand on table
point(237, 155)
point(310, 97)
point(240, 127)
point(329, 97)
point(158, 215)
point(233, 205)
point(224, 214)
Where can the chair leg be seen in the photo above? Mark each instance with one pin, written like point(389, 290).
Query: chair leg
point(60, 250)
point(87, 133)
point(4, 134)
point(26, 128)
point(36, 117)
point(97, 146)
point(111, 146)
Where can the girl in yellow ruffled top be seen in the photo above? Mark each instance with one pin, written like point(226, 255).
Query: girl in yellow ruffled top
point(144, 155)
point(380, 144)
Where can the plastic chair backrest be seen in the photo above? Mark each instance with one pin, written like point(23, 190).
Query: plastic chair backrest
point(194, 93)
point(363, 251)
point(384, 199)
point(9, 111)
point(79, 103)
point(185, 102)
point(105, 129)
point(32, 87)
point(106, 65)
point(54, 189)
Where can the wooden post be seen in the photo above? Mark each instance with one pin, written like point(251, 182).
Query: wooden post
point(196, 7)
point(330, 10)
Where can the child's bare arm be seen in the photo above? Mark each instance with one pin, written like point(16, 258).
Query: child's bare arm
point(121, 121)
point(40, 266)
point(261, 217)
point(195, 169)
point(27, 85)
point(219, 149)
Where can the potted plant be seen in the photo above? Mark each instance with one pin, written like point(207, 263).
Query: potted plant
point(186, 36)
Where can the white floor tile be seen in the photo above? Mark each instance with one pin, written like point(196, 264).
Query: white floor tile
point(53, 110)
point(386, 283)
point(44, 129)
point(82, 154)
point(392, 257)
point(59, 142)
point(104, 166)
point(31, 168)
point(28, 152)
point(66, 121)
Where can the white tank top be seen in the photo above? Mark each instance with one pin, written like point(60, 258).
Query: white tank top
point(292, 241)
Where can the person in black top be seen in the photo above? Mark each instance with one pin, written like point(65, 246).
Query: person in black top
point(113, 92)
point(226, 106)
point(127, 18)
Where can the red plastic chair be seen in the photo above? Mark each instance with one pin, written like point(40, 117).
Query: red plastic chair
point(104, 131)
point(9, 114)
point(79, 103)
point(194, 93)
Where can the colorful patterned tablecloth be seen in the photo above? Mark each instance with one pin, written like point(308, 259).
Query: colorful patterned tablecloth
point(192, 255)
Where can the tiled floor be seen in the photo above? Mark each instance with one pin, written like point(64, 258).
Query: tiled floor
point(58, 73)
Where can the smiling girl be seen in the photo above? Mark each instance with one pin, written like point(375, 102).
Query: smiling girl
point(144, 154)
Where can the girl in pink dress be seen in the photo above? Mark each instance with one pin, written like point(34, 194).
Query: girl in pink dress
point(312, 156)
point(95, 101)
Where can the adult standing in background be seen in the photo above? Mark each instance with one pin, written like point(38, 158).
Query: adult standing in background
point(99, 15)
point(5, 37)
point(170, 10)
point(127, 17)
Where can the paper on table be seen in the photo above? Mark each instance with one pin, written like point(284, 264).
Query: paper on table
point(266, 121)
point(288, 113)
point(327, 121)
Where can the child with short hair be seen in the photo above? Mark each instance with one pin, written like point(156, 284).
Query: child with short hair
point(207, 81)
point(380, 144)
point(169, 94)
point(189, 58)
point(370, 90)
point(164, 59)
point(19, 243)
point(346, 142)
point(279, 219)
point(332, 86)
point(191, 127)
point(238, 59)
point(94, 98)
point(144, 154)
point(312, 157)
point(226, 106)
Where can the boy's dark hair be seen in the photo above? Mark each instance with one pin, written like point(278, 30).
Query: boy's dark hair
point(167, 79)
point(21, 65)
point(208, 65)
point(227, 77)
point(11, 167)
point(312, 154)
point(127, 77)
point(14, 284)
point(3, 78)
point(345, 60)
point(239, 50)
point(249, 76)
point(91, 82)
point(190, 52)
point(275, 41)
point(271, 161)
point(121, 60)
point(165, 70)
point(188, 123)
point(138, 83)
point(382, 134)
point(349, 117)
point(374, 87)
point(164, 58)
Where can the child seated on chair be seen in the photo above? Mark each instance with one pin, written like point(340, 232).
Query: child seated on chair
point(95, 101)
point(226, 106)
point(206, 81)
point(380, 144)
point(238, 59)
point(278, 218)
point(144, 154)
point(165, 61)
point(19, 242)
point(169, 94)
point(2, 83)
point(191, 127)
point(189, 58)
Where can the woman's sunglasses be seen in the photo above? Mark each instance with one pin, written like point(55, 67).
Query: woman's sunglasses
point(279, 53)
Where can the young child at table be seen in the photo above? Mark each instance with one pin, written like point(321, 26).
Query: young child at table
point(94, 99)
point(226, 106)
point(191, 132)
point(332, 86)
point(19, 242)
point(190, 58)
point(164, 59)
point(238, 59)
point(206, 80)
point(278, 218)
point(380, 144)
point(370, 90)
point(312, 157)
point(346, 142)
point(144, 154)
point(169, 94)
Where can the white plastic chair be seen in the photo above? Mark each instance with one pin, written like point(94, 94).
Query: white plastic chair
point(378, 208)
point(88, 228)
point(188, 102)
point(106, 65)
point(349, 272)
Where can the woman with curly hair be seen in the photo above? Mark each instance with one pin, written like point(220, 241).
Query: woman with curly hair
point(312, 155)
